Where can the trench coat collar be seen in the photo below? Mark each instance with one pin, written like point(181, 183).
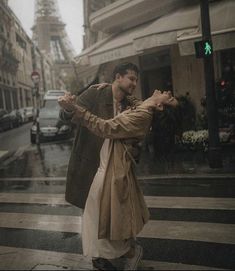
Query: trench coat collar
point(109, 98)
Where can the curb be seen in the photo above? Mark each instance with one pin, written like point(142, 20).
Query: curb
point(186, 176)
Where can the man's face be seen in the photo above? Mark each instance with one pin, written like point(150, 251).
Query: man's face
point(127, 83)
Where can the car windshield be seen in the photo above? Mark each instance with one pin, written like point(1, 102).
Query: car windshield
point(51, 104)
point(46, 113)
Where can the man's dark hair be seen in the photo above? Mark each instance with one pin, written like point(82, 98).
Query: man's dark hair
point(123, 68)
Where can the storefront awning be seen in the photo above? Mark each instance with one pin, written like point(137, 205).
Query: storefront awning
point(163, 31)
point(182, 27)
point(117, 47)
point(222, 29)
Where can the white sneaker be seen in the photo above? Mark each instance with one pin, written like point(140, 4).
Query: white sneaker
point(132, 263)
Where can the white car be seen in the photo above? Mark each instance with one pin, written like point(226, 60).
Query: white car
point(54, 94)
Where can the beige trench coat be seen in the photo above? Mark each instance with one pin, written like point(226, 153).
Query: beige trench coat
point(123, 211)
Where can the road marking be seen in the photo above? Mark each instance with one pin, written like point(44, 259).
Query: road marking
point(180, 230)
point(140, 178)
point(188, 176)
point(37, 198)
point(13, 258)
point(152, 201)
point(190, 203)
point(34, 179)
point(193, 231)
point(41, 222)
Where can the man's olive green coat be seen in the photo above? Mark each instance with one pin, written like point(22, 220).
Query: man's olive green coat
point(84, 160)
point(123, 211)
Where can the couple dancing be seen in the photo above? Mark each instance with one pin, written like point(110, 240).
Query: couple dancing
point(115, 210)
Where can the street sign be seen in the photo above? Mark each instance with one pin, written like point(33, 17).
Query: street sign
point(35, 76)
point(203, 48)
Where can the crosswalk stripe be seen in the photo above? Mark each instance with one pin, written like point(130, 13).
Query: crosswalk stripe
point(33, 198)
point(29, 258)
point(140, 177)
point(41, 222)
point(33, 179)
point(152, 201)
point(190, 202)
point(195, 231)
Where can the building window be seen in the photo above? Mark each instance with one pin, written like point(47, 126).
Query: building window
point(7, 94)
point(21, 42)
point(15, 102)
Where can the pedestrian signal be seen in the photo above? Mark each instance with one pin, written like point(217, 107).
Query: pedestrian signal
point(203, 48)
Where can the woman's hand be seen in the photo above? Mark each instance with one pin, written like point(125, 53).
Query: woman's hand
point(67, 102)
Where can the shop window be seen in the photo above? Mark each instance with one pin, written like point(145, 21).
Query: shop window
point(225, 89)
point(1, 99)
point(228, 66)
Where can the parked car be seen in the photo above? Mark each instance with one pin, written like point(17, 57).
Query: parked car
point(27, 114)
point(54, 94)
point(5, 120)
point(16, 118)
point(50, 126)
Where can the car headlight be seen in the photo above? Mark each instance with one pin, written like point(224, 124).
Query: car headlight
point(64, 128)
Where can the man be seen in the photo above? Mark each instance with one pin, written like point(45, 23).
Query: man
point(85, 160)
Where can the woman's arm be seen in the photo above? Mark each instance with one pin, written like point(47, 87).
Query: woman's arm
point(129, 124)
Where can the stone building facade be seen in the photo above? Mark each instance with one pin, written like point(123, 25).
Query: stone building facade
point(8, 60)
point(159, 37)
point(18, 58)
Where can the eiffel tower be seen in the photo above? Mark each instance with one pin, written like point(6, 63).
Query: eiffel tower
point(50, 36)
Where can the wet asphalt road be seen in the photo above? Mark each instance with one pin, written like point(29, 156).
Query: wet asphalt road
point(34, 214)
point(15, 138)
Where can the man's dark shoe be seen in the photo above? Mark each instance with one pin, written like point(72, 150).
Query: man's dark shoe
point(102, 264)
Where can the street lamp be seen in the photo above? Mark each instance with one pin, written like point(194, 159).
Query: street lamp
point(35, 76)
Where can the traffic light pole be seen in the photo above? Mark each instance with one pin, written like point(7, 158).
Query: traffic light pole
point(37, 114)
point(214, 152)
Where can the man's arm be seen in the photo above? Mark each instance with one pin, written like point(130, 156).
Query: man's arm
point(133, 101)
point(86, 100)
point(130, 124)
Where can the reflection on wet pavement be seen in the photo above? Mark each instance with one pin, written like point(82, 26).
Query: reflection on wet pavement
point(47, 160)
point(51, 160)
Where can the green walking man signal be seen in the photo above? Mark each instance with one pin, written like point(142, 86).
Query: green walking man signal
point(203, 48)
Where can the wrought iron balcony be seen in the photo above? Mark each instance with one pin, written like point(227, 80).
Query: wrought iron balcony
point(9, 62)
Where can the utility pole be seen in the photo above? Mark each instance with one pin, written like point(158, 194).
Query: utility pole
point(35, 76)
point(214, 152)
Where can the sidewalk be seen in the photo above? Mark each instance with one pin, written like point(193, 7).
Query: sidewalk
point(184, 163)
point(4, 155)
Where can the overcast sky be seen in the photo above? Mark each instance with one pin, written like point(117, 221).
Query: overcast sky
point(70, 10)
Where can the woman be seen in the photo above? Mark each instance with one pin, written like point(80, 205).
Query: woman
point(115, 210)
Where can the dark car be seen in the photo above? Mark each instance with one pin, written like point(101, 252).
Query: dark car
point(5, 120)
point(50, 126)
point(16, 118)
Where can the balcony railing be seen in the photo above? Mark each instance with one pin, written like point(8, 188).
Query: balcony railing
point(9, 62)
